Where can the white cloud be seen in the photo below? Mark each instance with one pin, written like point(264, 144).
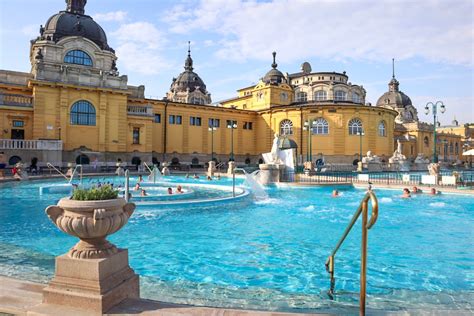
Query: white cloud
point(115, 16)
point(439, 31)
point(140, 46)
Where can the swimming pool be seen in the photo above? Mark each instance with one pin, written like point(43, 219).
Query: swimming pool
point(269, 254)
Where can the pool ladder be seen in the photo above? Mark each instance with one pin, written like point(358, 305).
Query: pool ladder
point(363, 209)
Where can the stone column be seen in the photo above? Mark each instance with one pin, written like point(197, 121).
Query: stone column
point(270, 173)
point(211, 169)
point(231, 168)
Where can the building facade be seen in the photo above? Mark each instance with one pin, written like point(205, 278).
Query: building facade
point(76, 103)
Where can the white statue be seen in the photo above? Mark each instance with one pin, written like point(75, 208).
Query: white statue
point(275, 149)
point(420, 159)
point(371, 158)
point(398, 157)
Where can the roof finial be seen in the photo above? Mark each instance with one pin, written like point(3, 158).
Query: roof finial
point(189, 48)
point(274, 65)
point(76, 6)
point(188, 64)
point(393, 68)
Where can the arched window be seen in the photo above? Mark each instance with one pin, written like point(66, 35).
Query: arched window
point(286, 127)
point(197, 100)
point(339, 95)
point(320, 127)
point(355, 126)
point(83, 113)
point(382, 129)
point(78, 57)
point(320, 95)
point(301, 97)
point(355, 97)
point(451, 148)
point(426, 140)
point(456, 149)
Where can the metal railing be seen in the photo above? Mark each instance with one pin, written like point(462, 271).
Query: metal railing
point(74, 173)
point(363, 209)
point(50, 166)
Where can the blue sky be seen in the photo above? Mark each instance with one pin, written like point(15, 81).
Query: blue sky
point(232, 41)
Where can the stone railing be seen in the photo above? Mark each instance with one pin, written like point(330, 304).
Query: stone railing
point(31, 144)
point(15, 100)
point(139, 110)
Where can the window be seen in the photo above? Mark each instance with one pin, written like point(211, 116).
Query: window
point(339, 95)
point(426, 140)
point(231, 123)
point(214, 122)
point(320, 127)
point(286, 127)
point(283, 96)
point(382, 129)
point(136, 136)
point(175, 119)
point(355, 97)
point(194, 121)
point(248, 125)
point(456, 149)
point(451, 148)
point(301, 97)
point(78, 57)
point(157, 118)
point(197, 100)
point(18, 123)
point(320, 95)
point(355, 126)
point(83, 113)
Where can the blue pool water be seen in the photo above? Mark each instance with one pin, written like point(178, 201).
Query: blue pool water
point(269, 254)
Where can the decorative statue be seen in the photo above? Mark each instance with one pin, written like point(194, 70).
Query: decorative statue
point(275, 149)
point(398, 157)
point(370, 158)
point(433, 169)
point(420, 158)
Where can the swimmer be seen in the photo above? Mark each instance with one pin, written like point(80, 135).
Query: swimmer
point(209, 178)
point(195, 176)
point(179, 189)
point(218, 177)
point(170, 191)
point(335, 193)
point(406, 193)
point(137, 187)
point(434, 192)
point(415, 190)
point(143, 193)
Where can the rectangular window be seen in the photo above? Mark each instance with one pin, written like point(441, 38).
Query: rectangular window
point(179, 119)
point(18, 123)
point(214, 122)
point(172, 119)
point(136, 135)
point(248, 125)
point(230, 123)
point(157, 118)
point(198, 121)
point(194, 121)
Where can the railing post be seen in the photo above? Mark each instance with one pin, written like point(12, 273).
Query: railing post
point(127, 186)
point(363, 256)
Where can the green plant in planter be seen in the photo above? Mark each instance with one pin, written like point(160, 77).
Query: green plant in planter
point(105, 192)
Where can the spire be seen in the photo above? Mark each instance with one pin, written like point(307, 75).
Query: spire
point(188, 64)
point(76, 6)
point(393, 68)
point(274, 65)
point(393, 84)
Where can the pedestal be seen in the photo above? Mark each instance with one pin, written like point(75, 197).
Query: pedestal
point(95, 285)
point(211, 169)
point(270, 173)
point(230, 169)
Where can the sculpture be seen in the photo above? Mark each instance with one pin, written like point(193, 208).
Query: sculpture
point(397, 156)
point(433, 169)
point(420, 159)
point(371, 158)
point(275, 150)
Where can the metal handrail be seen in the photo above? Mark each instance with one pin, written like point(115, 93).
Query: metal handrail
point(149, 169)
point(74, 172)
point(363, 208)
point(50, 166)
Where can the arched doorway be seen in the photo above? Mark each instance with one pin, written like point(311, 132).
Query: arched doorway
point(14, 160)
point(82, 159)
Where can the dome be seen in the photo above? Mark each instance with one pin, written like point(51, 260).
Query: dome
point(394, 99)
point(274, 76)
point(188, 79)
point(73, 22)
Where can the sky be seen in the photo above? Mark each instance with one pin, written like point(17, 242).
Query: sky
point(232, 43)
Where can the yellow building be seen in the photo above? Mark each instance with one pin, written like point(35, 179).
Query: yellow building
point(75, 106)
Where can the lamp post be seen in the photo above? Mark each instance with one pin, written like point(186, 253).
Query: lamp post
point(360, 133)
point(212, 129)
point(232, 126)
point(308, 125)
point(434, 110)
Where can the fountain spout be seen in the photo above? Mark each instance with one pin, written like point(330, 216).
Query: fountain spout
point(255, 187)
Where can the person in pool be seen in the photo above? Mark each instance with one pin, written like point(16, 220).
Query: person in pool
point(434, 192)
point(406, 193)
point(335, 193)
point(179, 189)
point(415, 190)
point(143, 193)
point(137, 187)
point(209, 178)
point(170, 191)
point(187, 176)
point(195, 176)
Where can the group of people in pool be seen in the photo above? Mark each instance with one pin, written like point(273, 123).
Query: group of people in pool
point(209, 178)
point(179, 189)
point(407, 193)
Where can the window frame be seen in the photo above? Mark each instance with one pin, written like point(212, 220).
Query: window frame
point(157, 121)
point(136, 136)
point(78, 57)
point(338, 97)
point(317, 97)
point(286, 127)
point(382, 129)
point(81, 116)
point(355, 126)
point(320, 126)
point(301, 99)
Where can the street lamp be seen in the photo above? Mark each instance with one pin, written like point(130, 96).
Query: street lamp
point(232, 126)
point(212, 129)
point(361, 133)
point(308, 125)
point(434, 110)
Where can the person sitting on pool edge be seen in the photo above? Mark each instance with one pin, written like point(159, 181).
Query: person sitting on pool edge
point(415, 190)
point(137, 187)
point(179, 189)
point(170, 191)
point(335, 193)
point(143, 193)
point(406, 193)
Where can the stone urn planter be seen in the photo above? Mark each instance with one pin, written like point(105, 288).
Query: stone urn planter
point(91, 222)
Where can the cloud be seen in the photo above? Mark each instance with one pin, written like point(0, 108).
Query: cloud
point(438, 31)
point(115, 16)
point(140, 46)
